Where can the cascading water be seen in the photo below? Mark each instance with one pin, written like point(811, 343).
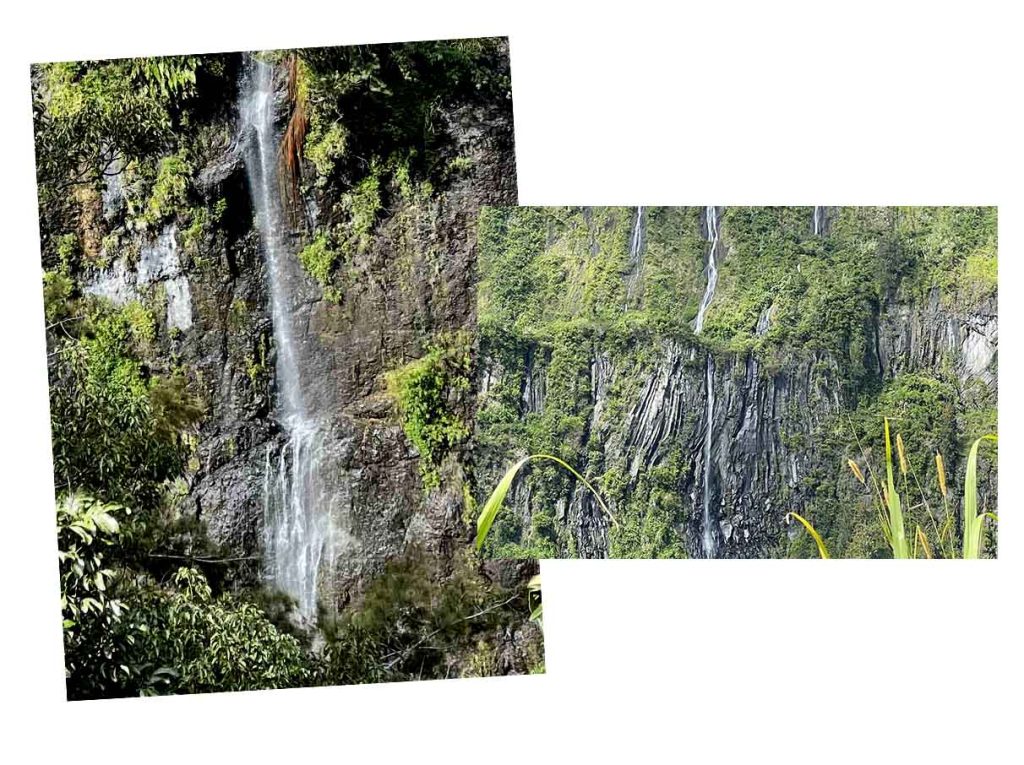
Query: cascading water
point(635, 245)
point(296, 503)
point(819, 220)
point(711, 223)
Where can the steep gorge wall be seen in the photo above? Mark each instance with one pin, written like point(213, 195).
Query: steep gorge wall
point(192, 259)
point(792, 391)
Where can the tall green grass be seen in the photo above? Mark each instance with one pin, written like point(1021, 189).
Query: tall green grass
point(497, 499)
point(891, 512)
point(974, 522)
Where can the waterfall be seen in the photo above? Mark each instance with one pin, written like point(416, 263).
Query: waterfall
point(819, 220)
point(711, 223)
point(708, 538)
point(636, 242)
point(296, 503)
point(634, 245)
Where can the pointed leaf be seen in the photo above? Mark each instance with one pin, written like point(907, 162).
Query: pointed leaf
point(822, 550)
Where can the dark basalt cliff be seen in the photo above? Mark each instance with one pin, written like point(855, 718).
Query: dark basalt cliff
point(805, 360)
point(411, 283)
point(383, 198)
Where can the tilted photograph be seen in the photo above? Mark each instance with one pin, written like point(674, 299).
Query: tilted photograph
point(258, 277)
point(737, 382)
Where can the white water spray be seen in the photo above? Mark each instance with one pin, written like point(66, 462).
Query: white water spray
point(819, 220)
point(711, 223)
point(636, 242)
point(296, 503)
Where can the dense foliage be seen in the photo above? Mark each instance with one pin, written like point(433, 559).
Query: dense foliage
point(124, 152)
point(562, 287)
point(430, 393)
point(118, 430)
point(416, 625)
point(372, 120)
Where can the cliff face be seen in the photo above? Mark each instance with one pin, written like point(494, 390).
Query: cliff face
point(383, 220)
point(407, 286)
point(809, 340)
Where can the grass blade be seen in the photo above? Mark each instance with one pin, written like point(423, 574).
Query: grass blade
point(974, 524)
point(924, 544)
point(497, 498)
point(822, 550)
point(898, 538)
point(495, 501)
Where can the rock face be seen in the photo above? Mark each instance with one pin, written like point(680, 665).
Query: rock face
point(783, 415)
point(413, 280)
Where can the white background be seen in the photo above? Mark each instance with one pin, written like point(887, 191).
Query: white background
point(668, 103)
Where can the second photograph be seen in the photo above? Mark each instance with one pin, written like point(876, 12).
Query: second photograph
point(737, 382)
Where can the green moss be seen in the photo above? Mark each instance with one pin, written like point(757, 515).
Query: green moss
point(325, 145)
point(141, 322)
point(256, 364)
point(980, 277)
point(238, 313)
point(319, 258)
point(363, 204)
point(202, 220)
point(429, 393)
point(57, 289)
point(460, 165)
point(68, 249)
point(170, 188)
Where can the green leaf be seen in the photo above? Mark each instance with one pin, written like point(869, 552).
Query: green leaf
point(897, 530)
point(106, 523)
point(497, 498)
point(973, 522)
point(822, 550)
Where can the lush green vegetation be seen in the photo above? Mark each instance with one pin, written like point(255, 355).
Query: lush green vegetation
point(939, 537)
point(415, 624)
point(558, 291)
point(119, 431)
point(430, 394)
point(127, 634)
point(370, 120)
point(126, 151)
point(141, 120)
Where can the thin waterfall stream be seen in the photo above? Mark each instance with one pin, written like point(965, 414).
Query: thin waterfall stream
point(819, 220)
point(296, 503)
point(708, 545)
point(636, 243)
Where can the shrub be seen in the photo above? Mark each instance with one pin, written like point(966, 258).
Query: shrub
point(429, 393)
point(318, 258)
point(116, 429)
